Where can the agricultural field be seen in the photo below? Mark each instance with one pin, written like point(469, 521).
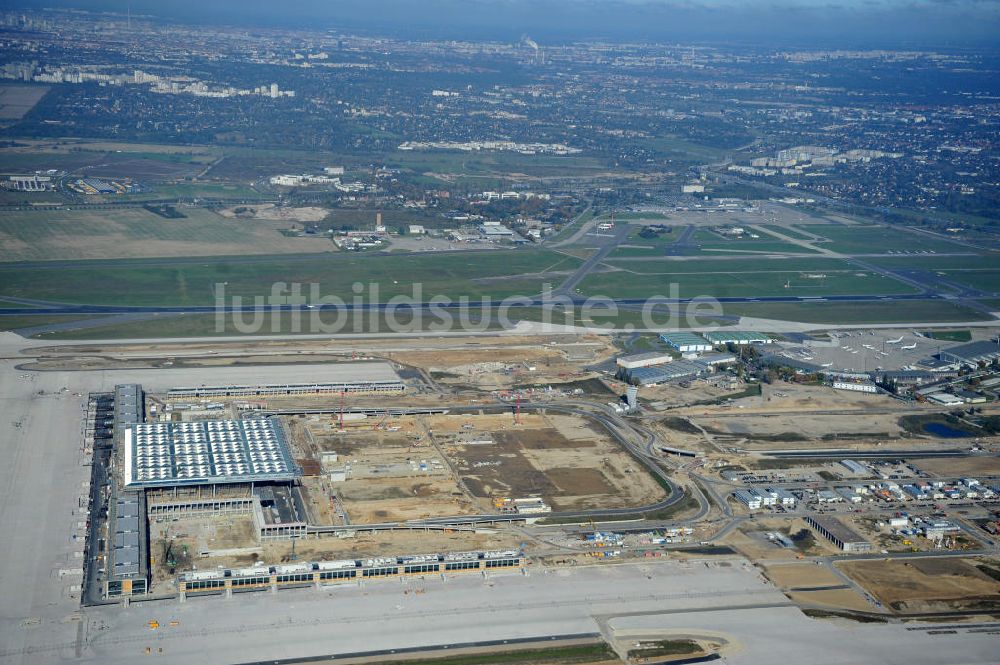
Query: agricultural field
point(50, 235)
point(193, 282)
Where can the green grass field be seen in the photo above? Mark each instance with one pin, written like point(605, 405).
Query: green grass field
point(639, 216)
point(713, 243)
point(647, 246)
point(201, 190)
point(739, 278)
point(949, 335)
point(741, 284)
point(789, 231)
point(845, 313)
point(864, 239)
point(931, 262)
point(32, 320)
point(987, 281)
point(133, 284)
point(7, 304)
point(45, 235)
point(672, 265)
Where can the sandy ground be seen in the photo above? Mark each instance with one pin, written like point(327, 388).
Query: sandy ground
point(961, 466)
point(500, 368)
point(800, 582)
point(269, 211)
point(750, 540)
point(234, 545)
point(789, 576)
point(813, 427)
point(426, 466)
point(795, 397)
point(925, 584)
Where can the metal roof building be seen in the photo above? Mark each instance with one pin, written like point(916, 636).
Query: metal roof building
point(128, 564)
point(686, 342)
point(643, 359)
point(839, 534)
point(331, 378)
point(679, 369)
point(972, 354)
point(128, 406)
point(206, 453)
point(738, 337)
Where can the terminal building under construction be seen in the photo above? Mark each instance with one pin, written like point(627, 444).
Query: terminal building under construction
point(348, 378)
point(162, 469)
point(319, 573)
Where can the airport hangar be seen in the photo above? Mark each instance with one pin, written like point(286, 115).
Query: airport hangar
point(211, 466)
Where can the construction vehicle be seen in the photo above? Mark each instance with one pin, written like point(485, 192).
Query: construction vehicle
point(381, 422)
point(153, 624)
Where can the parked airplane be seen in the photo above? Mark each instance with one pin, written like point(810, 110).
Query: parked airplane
point(911, 346)
point(894, 341)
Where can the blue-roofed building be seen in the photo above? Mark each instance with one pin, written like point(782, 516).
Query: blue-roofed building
point(686, 342)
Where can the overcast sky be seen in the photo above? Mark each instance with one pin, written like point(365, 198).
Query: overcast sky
point(848, 23)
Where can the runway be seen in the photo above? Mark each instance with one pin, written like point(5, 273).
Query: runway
point(45, 308)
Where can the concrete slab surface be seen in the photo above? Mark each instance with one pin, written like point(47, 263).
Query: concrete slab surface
point(42, 481)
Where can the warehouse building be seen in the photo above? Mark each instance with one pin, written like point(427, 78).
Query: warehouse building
point(855, 467)
point(839, 534)
point(677, 370)
point(945, 399)
point(970, 355)
point(643, 360)
point(751, 500)
point(686, 342)
point(856, 386)
point(737, 337)
point(716, 359)
point(783, 496)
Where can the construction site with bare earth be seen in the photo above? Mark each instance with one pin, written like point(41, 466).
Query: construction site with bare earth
point(221, 469)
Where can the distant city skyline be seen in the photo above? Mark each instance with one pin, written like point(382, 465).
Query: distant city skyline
point(779, 22)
